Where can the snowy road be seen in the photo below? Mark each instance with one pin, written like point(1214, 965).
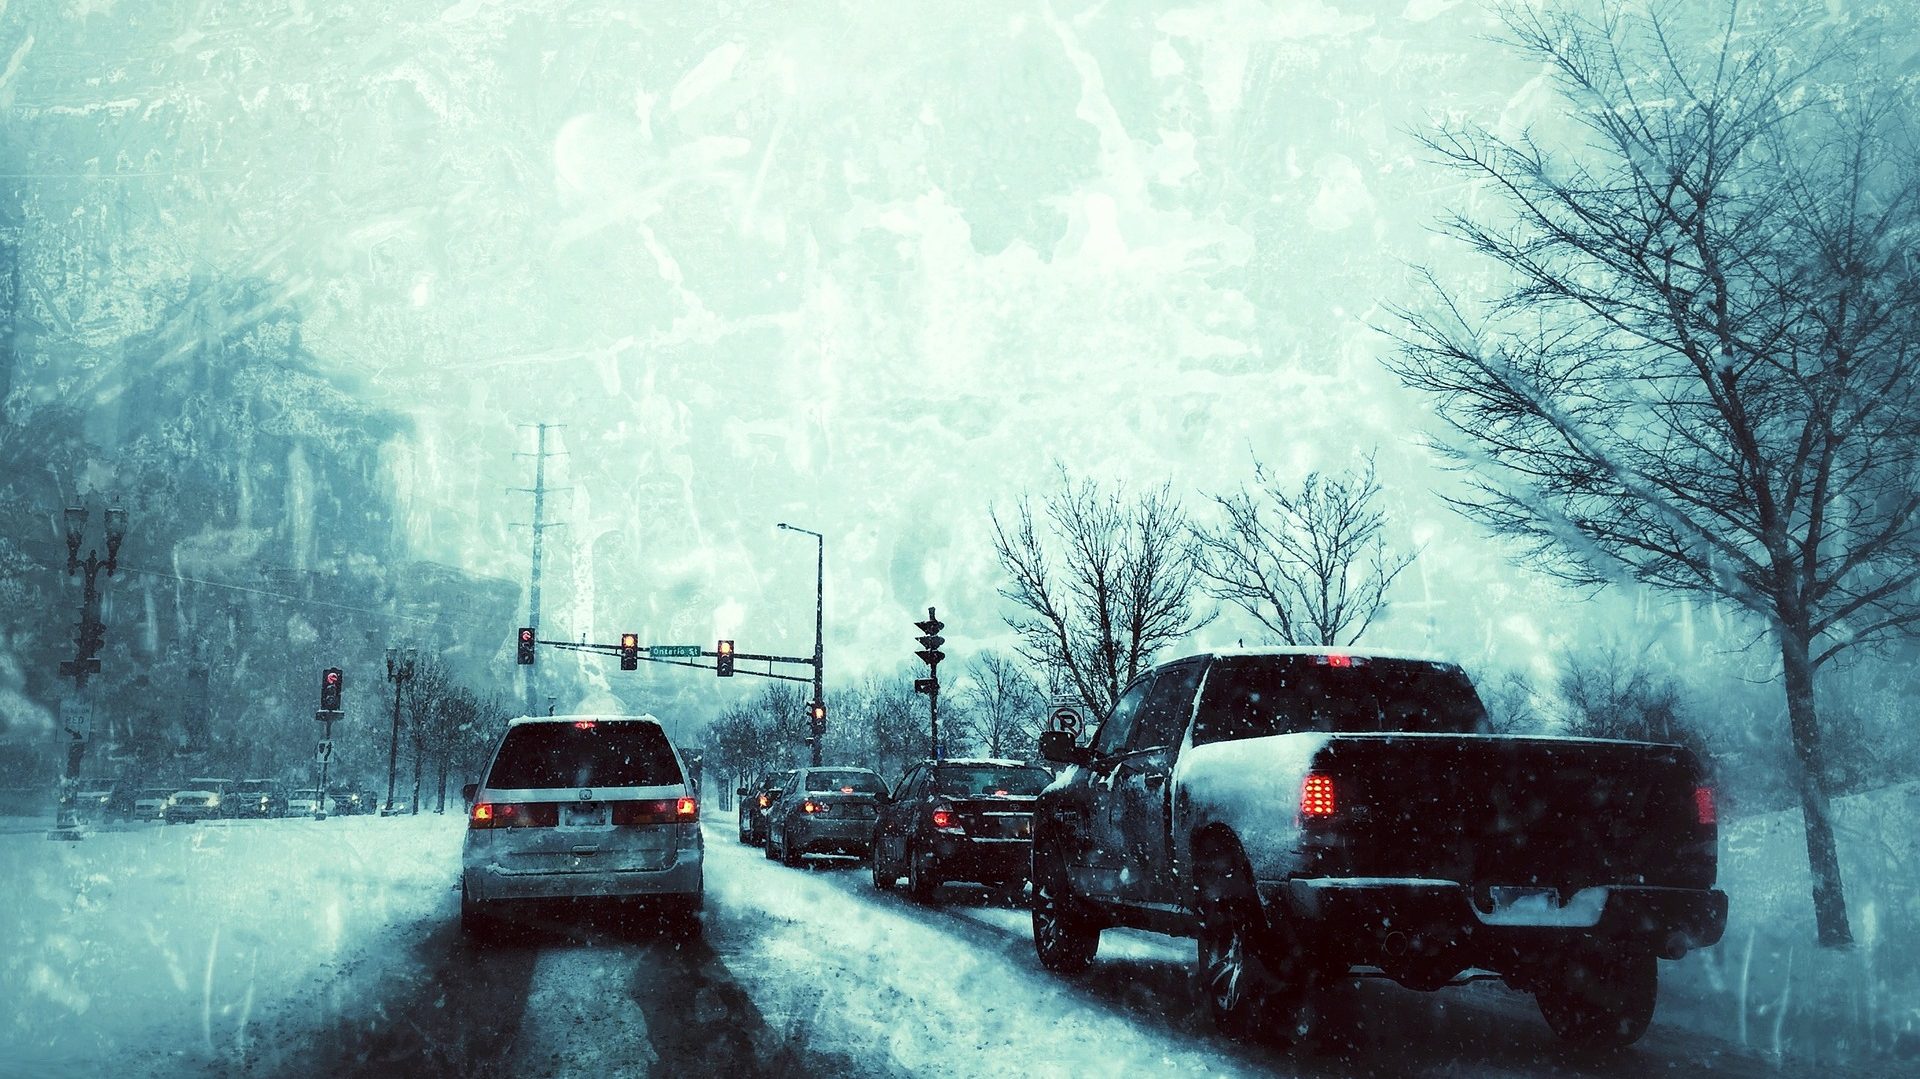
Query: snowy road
point(294, 948)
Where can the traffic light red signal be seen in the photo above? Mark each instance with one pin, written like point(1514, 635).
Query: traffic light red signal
point(330, 683)
point(629, 651)
point(723, 659)
point(526, 645)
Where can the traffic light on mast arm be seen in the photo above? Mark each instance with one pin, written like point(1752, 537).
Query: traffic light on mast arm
point(629, 651)
point(723, 659)
point(330, 683)
point(526, 645)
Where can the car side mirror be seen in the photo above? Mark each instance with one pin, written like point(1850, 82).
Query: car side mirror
point(1059, 747)
point(741, 792)
point(469, 791)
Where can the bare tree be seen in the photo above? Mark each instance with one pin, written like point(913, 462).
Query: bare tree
point(1310, 563)
point(1102, 581)
point(1701, 370)
point(1003, 706)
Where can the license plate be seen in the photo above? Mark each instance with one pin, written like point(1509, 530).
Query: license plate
point(591, 815)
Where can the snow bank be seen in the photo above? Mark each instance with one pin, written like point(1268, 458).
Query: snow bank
point(156, 949)
point(1767, 986)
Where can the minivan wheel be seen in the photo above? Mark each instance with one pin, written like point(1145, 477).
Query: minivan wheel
point(475, 923)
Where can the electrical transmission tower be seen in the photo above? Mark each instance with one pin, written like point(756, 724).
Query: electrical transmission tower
point(540, 524)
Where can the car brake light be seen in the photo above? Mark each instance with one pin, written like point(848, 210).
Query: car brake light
point(583, 724)
point(686, 809)
point(811, 806)
point(999, 794)
point(846, 790)
point(513, 815)
point(765, 801)
point(482, 816)
point(1316, 796)
point(1703, 808)
point(943, 819)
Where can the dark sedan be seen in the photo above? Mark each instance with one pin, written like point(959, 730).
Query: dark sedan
point(958, 820)
point(756, 799)
point(825, 811)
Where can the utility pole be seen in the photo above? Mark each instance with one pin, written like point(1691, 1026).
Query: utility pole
point(539, 526)
point(817, 708)
point(90, 634)
point(399, 672)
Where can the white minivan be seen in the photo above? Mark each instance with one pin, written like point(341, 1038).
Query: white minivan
point(583, 807)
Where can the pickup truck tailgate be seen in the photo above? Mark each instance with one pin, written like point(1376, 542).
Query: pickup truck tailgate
point(1551, 812)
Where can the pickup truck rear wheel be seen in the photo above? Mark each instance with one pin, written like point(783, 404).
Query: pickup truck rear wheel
point(1064, 935)
point(1596, 1002)
point(1257, 980)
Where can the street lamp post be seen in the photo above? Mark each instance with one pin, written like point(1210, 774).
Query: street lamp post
point(819, 627)
point(399, 672)
point(89, 636)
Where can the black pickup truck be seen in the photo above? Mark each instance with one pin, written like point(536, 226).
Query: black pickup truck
point(1305, 812)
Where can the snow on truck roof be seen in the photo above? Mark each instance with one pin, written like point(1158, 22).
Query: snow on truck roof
point(585, 717)
point(1326, 650)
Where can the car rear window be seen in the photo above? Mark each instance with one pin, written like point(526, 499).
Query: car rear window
point(988, 780)
point(599, 754)
point(861, 782)
point(1255, 696)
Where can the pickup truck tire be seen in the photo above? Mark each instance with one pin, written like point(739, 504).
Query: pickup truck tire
point(1065, 936)
point(1600, 1002)
point(1257, 978)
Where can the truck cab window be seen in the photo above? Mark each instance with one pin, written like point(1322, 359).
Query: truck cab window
point(1118, 729)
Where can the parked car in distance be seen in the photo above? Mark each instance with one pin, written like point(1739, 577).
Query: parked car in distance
point(150, 803)
point(91, 797)
point(303, 803)
point(196, 802)
point(583, 807)
point(253, 799)
point(354, 803)
point(1305, 811)
point(756, 799)
point(958, 820)
point(825, 811)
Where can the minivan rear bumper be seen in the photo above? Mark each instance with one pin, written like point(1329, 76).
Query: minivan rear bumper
point(487, 882)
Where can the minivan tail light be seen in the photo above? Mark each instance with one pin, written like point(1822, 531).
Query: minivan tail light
point(1316, 796)
point(513, 815)
point(661, 811)
point(1704, 811)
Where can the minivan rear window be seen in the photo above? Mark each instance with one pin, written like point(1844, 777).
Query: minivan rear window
point(861, 782)
point(605, 753)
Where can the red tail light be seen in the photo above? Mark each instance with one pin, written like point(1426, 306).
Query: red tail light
point(686, 809)
point(663, 811)
point(513, 815)
point(1704, 810)
point(811, 806)
point(583, 724)
point(999, 794)
point(944, 819)
point(1316, 796)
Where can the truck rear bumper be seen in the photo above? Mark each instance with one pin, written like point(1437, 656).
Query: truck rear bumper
point(1393, 914)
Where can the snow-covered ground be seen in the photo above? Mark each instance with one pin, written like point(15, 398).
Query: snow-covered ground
point(1767, 986)
point(157, 949)
point(285, 947)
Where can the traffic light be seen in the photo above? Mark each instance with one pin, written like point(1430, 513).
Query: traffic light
point(930, 641)
point(723, 659)
point(330, 680)
point(526, 645)
point(629, 651)
point(817, 718)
